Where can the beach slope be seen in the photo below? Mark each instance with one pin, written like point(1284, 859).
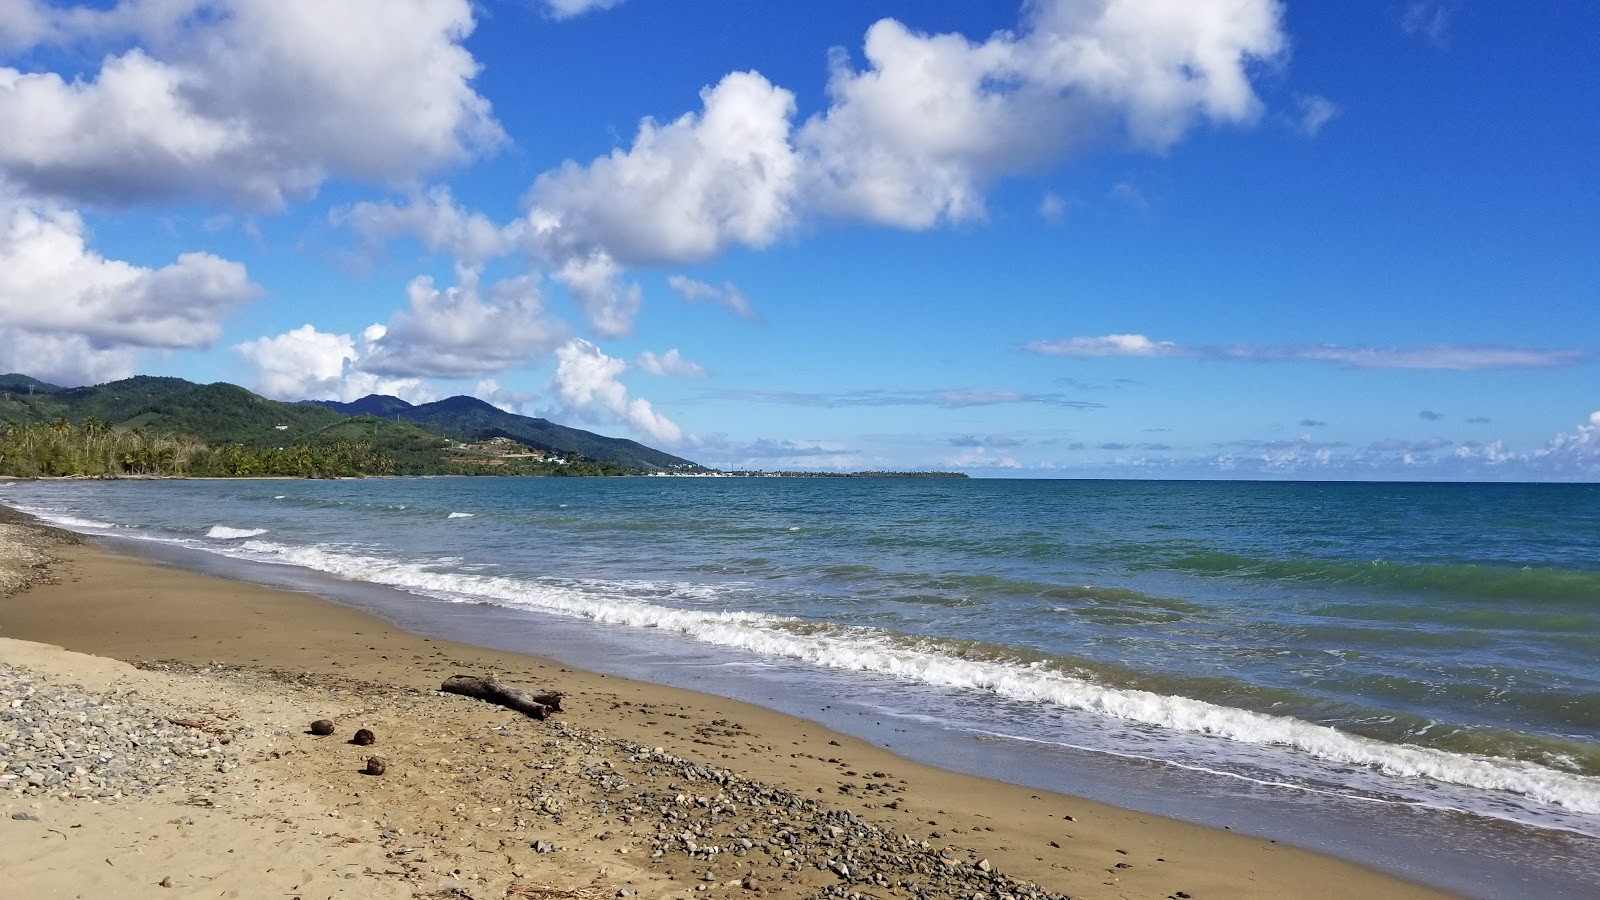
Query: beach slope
point(633, 789)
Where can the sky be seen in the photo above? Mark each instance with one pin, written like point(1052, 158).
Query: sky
point(1060, 238)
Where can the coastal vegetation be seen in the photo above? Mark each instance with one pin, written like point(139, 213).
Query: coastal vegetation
point(151, 426)
point(97, 450)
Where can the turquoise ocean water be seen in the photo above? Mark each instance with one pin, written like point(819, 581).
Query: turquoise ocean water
point(1430, 650)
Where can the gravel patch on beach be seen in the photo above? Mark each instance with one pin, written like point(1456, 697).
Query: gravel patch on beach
point(60, 741)
point(712, 826)
point(25, 547)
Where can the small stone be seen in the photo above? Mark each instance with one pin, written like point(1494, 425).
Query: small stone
point(25, 817)
point(543, 847)
point(165, 882)
point(375, 766)
point(364, 738)
point(322, 727)
point(982, 865)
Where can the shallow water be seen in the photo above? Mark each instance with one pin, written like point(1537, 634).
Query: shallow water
point(1326, 661)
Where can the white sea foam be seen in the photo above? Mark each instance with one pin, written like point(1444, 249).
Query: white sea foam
point(225, 533)
point(70, 521)
point(873, 650)
point(459, 515)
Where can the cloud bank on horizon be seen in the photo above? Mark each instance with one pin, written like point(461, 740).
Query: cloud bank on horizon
point(281, 142)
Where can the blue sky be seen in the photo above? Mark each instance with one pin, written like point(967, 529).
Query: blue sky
point(1082, 238)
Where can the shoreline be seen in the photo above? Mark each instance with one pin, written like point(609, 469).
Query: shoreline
point(128, 608)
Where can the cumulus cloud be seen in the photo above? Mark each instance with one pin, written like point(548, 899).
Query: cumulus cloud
point(61, 293)
point(911, 140)
point(684, 191)
point(1440, 356)
point(66, 359)
point(727, 295)
point(490, 391)
point(918, 135)
point(1428, 415)
point(595, 281)
point(586, 381)
point(464, 331)
point(436, 221)
point(306, 364)
point(670, 363)
point(251, 101)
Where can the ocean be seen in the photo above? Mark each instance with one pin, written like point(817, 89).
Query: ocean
point(1407, 675)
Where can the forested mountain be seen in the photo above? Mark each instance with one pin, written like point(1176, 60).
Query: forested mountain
point(418, 439)
point(471, 419)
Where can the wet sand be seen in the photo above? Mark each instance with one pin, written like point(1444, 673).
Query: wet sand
point(472, 791)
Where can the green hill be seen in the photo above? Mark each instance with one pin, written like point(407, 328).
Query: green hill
point(471, 419)
point(418, 438)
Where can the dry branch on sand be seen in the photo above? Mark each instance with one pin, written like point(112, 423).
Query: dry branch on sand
point(535, 705)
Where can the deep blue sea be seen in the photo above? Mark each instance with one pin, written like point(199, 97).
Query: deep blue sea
point(1324, 660)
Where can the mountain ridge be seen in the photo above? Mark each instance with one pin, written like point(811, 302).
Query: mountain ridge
point(464, 418)
point(417, 436)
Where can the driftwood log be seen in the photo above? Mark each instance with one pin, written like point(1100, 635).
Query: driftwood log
point(534, 704)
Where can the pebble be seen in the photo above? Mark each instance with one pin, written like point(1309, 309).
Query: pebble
point(62, 741)
point(705, 812)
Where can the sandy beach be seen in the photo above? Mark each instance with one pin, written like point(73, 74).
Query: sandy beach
point(633, 789)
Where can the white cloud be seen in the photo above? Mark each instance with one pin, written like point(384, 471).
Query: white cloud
point(252, 101)
point(306, 364)
point(1440, 356)
point(586, 381)
point(58, 289)
point(1109, 345)
point(1594, 418)
point(979, 458)
point(491, 391)
point(567, 9)
point(670, 363)
point(436, 221)
point(918, 135)
point(1315, 112)
point(913, 140)
point(65, 359)
point(462, 332)
point(595, 281)
point(686, 190)
point(700, 292)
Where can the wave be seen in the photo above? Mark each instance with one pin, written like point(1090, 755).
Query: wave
point(932, 662)
point(1462, 579)
point(66, 521)
point(461, 515)
point(223, 532)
